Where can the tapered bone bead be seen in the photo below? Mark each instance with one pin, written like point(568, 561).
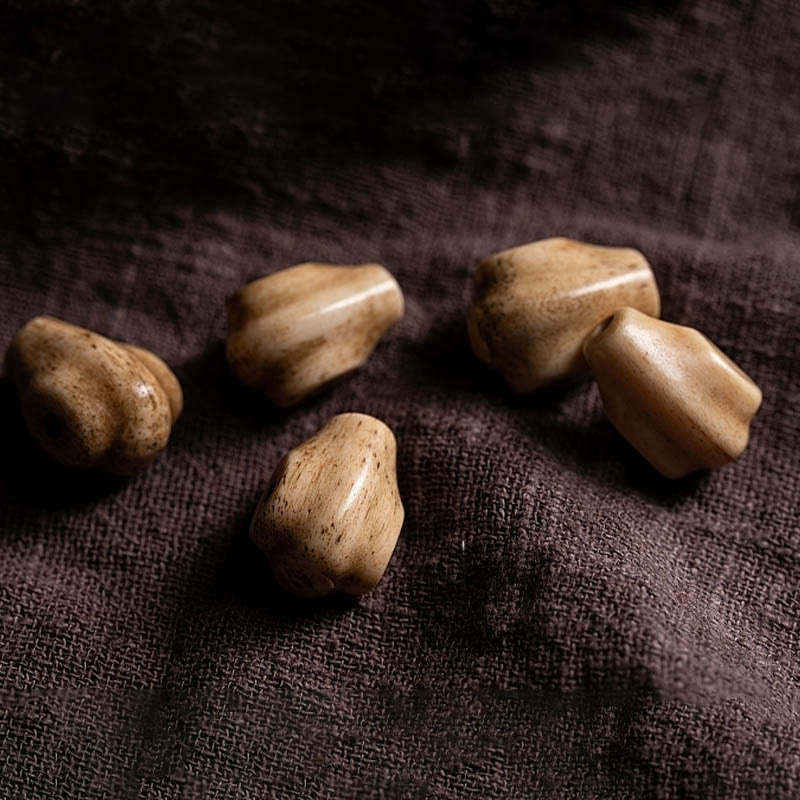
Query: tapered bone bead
point(293, 332)
point(331, 514)
point(534, 305)
point(89, 401)
point(675, 396)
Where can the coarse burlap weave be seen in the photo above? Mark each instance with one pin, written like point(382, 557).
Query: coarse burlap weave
point(557, 620)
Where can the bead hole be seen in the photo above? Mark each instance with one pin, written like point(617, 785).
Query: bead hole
point(53, 425)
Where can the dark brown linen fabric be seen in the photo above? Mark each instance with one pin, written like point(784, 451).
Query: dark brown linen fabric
point(557, 620)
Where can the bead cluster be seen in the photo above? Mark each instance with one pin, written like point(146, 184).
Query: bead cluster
point(330, 515)
point(555, 309)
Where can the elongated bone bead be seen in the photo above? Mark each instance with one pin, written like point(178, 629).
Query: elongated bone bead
point(534, 305)
point(331, 514)
point(291, 333)
point(673, 394)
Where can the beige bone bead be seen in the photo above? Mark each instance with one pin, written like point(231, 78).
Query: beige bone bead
point(296, 330)
point(331, 514)
point(90, 401)
point(675, 396)
point(534, 305)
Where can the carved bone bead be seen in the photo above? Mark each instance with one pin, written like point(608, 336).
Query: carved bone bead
point(291, 333)
point(534, 305)
point(675, 396)
point(331, 514)
point(90, 401)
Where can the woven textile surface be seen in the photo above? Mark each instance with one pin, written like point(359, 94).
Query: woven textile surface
point(557, 620)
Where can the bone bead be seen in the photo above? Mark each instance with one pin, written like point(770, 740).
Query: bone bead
point(534, 305)
point(331, 514)
point(675, 396)
point(291, 333)
point(89, 401)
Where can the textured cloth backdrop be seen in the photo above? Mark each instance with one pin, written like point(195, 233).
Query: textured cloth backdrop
point(557, 621)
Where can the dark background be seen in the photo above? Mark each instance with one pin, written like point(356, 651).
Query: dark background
point(557, 620)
